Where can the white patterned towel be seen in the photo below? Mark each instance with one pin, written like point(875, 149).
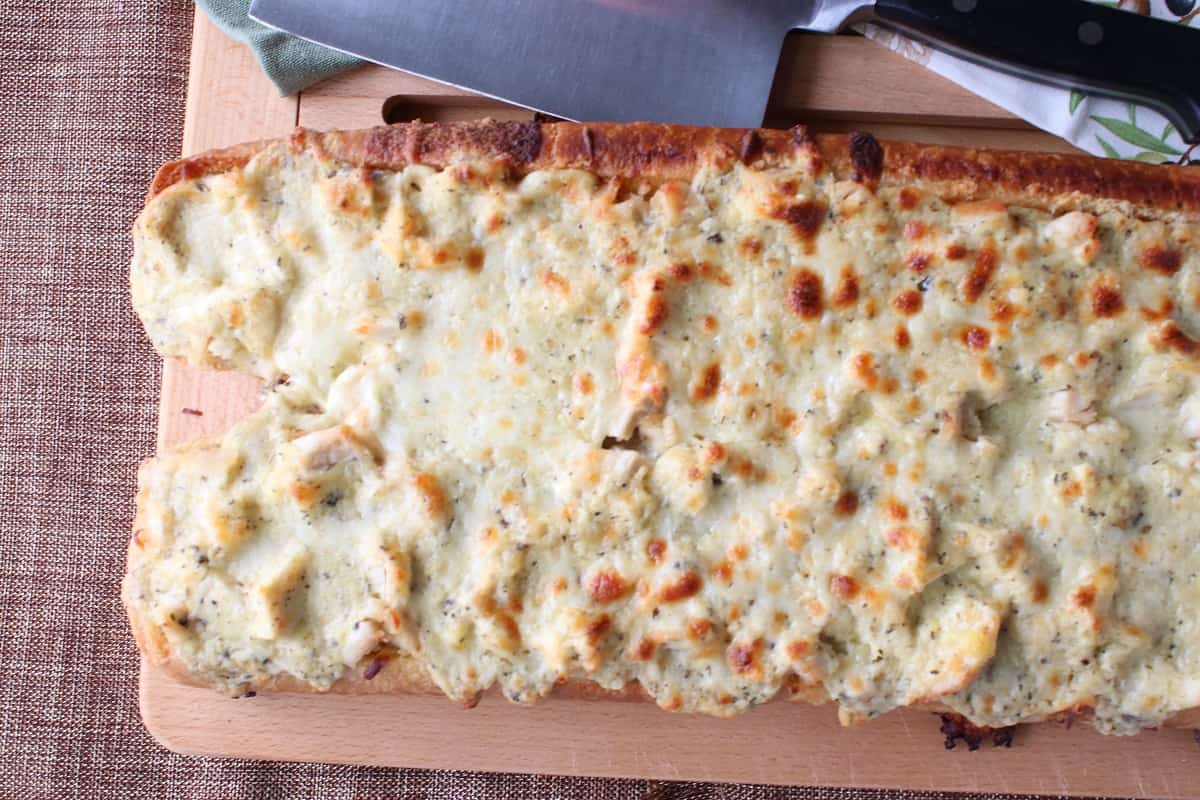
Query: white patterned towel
point(1100, 125)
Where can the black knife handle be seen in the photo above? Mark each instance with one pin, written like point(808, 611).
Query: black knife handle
point(1071, 43)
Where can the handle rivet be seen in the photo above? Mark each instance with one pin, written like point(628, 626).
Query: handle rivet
point(965, 6)
point(1091, 32)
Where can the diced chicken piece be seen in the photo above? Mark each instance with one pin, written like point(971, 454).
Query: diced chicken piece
point(276, 594)
point(1189, 415)
point(1076, 232)
point(590, 468)
point(389, 574)
point(683, 481)
point(362, 640)
point(820, 483)
point(982, 217)
point(961, 418)
point(1069, 406)
point(850, 198)
point(325, 449)
point(223, 529)
point(957, 641)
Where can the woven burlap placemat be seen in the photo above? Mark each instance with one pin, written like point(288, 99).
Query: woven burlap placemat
point(91, 101)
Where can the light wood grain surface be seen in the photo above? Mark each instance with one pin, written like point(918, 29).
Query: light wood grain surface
point(777, 743)
point(836, 83)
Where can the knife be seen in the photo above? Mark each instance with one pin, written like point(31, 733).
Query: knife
point(712, 62)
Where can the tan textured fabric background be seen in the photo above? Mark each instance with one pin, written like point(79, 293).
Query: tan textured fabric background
point(91, 100)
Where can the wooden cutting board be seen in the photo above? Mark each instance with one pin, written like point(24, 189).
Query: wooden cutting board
point(832, 83)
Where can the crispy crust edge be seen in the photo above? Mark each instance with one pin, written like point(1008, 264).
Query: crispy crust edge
point(653, 152)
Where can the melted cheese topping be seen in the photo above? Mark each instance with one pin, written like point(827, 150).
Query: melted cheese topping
point(767, 430)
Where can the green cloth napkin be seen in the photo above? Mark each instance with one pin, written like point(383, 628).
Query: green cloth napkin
point(291, 63)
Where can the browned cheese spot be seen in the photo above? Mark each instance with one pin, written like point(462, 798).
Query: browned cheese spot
point(597, 628)
point(509, 625)
point(622, 254)
point(1001, 311)
point(656, 310)
point(843, 586)
point(866, 156)
point(805, 217)
point(846, 293)
point(583, 383)
point(750, 247)
point(1170, 337)
point(863, 365)
point(975, 337)
point(1013, 551)
point(894, 509)
point(687, 585)
point(707, 383)
point(710, 272)
point(431, 493)
point(605, 586)
point(917, 262)
point(907, 302)
point(798, 649)
point(474, 259)
point(1107, 300)
point(681, 272)
point(744, 658)
point(644, 650)
point(804, 294)
point(746, 469)
point(987, 369)
point(903, 537)
point(977, 280)
point(846, 504)
point(1165, 307)
point(655, 550)
point(552, 280)
point(1160, 259)
point(714, 453)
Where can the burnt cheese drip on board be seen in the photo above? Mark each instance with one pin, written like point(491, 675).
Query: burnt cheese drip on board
point(765, 429)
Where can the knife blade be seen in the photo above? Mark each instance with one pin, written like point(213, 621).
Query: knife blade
point(712, 62)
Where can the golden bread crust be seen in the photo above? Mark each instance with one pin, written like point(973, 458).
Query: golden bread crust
point(668, 152)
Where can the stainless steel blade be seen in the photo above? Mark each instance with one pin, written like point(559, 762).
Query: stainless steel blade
point(705, 62)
